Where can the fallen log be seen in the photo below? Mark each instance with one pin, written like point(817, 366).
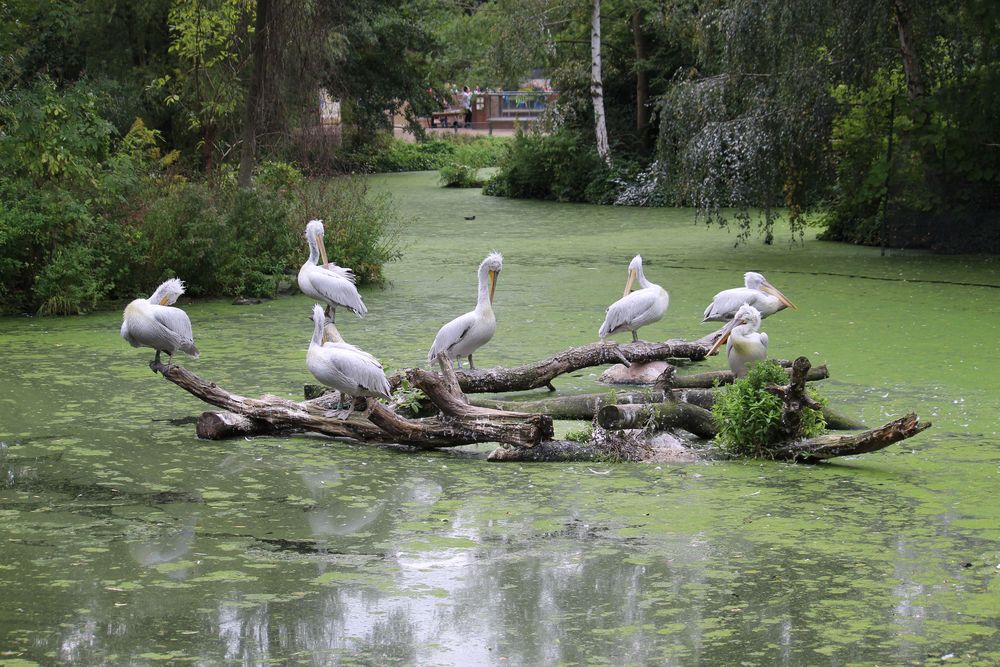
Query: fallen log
point(382, 427)
point(541, 373)
point(658, 417)
point(827, 446)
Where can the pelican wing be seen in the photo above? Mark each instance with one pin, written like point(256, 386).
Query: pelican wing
point(334, 287)
point(451, 335)
point(177, 321)
point(727, 302)
point(638, 306)
point(141, 330)
point(349, 369)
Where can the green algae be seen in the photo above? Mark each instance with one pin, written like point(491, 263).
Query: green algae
point(120, 529)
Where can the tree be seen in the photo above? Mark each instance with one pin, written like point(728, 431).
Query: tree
point(597, 85)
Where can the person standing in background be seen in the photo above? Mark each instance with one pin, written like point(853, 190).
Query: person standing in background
point(466, 99)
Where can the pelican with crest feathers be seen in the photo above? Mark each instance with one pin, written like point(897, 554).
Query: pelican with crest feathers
point(635, 309)
point(342, 366)
point(756, 292)
point(329, 283)
point(745, 345)
point(155, 323)
point(467, 333)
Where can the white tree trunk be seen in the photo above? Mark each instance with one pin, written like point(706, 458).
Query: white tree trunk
point(597, 85)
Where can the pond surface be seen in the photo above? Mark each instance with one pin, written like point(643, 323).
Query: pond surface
point(126, 540)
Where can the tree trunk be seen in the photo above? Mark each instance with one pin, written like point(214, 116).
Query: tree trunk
point(597, 84)
point(828, 446)
point(658, 417)
point(585, 406)
point(382, 426)
point(912, 69)
point(541, 373)
point(795, 399)
point(641, 79)
point(255, 95)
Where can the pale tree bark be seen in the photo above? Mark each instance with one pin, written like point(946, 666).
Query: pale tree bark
point(597, 85)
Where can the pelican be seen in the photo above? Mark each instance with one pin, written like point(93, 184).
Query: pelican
point(155, 323)
point(329, 283)
point(759, 293)
point(467, 333)
point(342, 366)
point(745, 344)
point(635, 309)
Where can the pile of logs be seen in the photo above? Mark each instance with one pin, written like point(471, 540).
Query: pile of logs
point(625, 420)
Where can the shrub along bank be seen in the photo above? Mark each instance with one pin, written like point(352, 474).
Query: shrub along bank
point(89, 215)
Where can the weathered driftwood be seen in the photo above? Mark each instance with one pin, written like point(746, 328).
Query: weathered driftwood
point(811, 450)
point(461, 422)
point(794, 399)
point(830, 445)
point(382, 425)
point(658, 417)
point(541, 373)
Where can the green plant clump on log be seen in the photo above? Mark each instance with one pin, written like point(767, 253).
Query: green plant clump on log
point(748, 417)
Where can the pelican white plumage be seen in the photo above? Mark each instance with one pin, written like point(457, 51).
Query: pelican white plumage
point(155, 323)
point(329, 284)
point(635, 309)
point(467, 333)
point(342, 366)
point(744, 343)
point(756, 292)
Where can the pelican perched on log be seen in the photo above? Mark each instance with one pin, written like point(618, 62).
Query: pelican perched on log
point(745, 345)
point(635, 309)
point(329, 283)
point(155, 323)
point(757, 292)
point(342, 366)
point(467, 333)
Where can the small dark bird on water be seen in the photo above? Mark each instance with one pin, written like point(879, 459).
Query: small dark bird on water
point(470, 217)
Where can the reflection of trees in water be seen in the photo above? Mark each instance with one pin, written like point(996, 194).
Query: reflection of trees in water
point(769, 595)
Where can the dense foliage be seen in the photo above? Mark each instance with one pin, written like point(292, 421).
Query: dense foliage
point(386, 154)
point(90, 215)
point(748, 418)
point(768, 110)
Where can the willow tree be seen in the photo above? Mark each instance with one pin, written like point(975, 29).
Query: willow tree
point(755, 122)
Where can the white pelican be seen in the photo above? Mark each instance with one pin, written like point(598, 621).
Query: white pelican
point(467, 333)
point(342, 366)
point(759, 293)
point(745, 344)
point(635, 309)
point(154, 323)
point(329, 283)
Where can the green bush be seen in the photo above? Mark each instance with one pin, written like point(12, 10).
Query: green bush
point(457, 175)
point(748, 417)
point(389, 154)
point(561, 166)
point(90, 216)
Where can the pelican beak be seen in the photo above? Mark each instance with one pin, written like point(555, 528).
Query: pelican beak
point(726, 331)
point(771, 289)
point(322, 251)
point(628, 283)
point(493, 284)
point(164, 301)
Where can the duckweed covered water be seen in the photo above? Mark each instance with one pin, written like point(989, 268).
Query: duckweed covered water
point(126, 540)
